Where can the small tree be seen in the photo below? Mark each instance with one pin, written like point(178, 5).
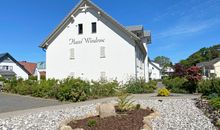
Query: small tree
point(179, 70)
point(193, 76)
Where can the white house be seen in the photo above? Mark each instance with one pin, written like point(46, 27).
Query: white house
point(91, 45)
point(210, 68)
point(9, 67)
point(154, 70)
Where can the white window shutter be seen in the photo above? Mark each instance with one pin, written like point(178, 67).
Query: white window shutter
point(72, 54)
point(102, 52)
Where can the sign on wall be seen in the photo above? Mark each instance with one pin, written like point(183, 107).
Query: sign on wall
point(73, 41)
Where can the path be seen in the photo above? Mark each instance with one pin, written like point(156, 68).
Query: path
point(12, 102)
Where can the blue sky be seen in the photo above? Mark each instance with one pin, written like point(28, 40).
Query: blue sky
point(179, 27)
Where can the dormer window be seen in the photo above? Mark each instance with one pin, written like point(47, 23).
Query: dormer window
point(80, 28)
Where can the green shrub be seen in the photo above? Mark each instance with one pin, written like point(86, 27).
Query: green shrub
point(175, 85)
point(24, 87)
point(104, 88)
point(45, 88)
point(2, 78)
point(213, 95)
point(138, 106)
point(163, 92)
point(33, 77)
point(215, 103)
point(91, 123)
point(139, 86)
point(73, 90)
point(208, 87)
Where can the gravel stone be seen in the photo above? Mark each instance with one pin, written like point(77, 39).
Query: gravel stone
point(179, 114)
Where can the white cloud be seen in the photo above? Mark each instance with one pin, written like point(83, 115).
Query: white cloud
point(188, 28)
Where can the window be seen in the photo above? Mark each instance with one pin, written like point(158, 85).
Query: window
point(72, 55)
point(94, 27)
point(80, 28)
point(102, 52)
point(5, 67)
point(103, 76)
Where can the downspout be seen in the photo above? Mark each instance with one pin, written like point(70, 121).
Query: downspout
point(136, 61)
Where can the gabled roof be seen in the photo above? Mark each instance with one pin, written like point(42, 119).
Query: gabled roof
point(208, 64)
point(30, 67)
point(4, 55)
point(47, 41)
point(152, 63)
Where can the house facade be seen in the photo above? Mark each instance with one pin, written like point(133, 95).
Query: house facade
point(210, 68)
point(41, 67)
point(91, 45)
point(154, 71)
point(9, 67)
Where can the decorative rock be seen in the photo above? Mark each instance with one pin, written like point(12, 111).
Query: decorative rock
point(78, 129)
point(107, 110)
point(147, 127)
point(65, 128)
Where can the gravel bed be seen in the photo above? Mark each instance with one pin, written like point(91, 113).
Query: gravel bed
point(178, 114)
point(175, 114)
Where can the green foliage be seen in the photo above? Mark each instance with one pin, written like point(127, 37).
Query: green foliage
point(2, 78)
point(213, 95)
point(215, 103)
point(163, 61)
point(204, 54)
point(91, 123)
point(138, 106)
point(24, 87)
point(125, 103)
point(163, 92)
point(208, 87)
point(33, 77)
point(104, 88)
point(46, 89)
point(139, 86)
point(176, 85)
point(73, 90)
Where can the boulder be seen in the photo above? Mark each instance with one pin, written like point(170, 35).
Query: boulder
point(147, 127)
point(65, 127)
point(107, 110)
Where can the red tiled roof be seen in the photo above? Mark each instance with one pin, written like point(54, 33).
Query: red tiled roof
point(30, 67)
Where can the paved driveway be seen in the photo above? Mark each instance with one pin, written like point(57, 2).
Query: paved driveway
point(11, 102)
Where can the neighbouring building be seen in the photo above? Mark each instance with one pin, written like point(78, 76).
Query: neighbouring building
point(30, 67)
point(91, 45)
point(210, 68)
point(9, 67)
point(168, 71)
point(154, 70)
point(41, 67)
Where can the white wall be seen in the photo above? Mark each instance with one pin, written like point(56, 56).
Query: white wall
point(120, 52)
point(217, 69)
point(20, 73)
point(155, 73)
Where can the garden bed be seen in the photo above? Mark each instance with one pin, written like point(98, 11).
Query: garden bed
point(130, 120)
point(209, 111)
